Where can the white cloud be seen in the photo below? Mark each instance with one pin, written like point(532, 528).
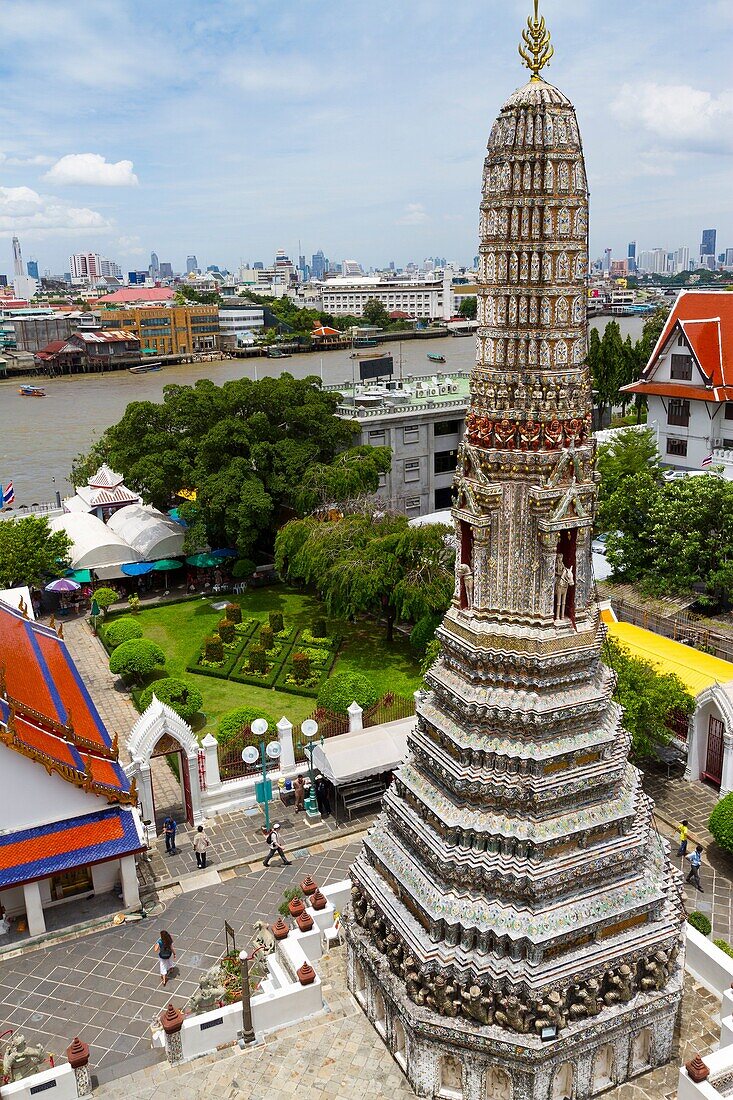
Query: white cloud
point(13, 160)
point(92, 170)
point(415, 214)
point(678, 115)
point(130, 246)
point(22, 209)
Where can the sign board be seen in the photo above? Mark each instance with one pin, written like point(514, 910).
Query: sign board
point(377, 367)
point(263, 790)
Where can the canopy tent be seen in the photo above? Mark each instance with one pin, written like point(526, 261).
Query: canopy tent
point(148, 531)
point(94, 545)
point(137, 568)
point(350, 756)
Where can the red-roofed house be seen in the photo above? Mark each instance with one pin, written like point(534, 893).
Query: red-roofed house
point(688, 381)
point(138, 295)
point(69, 826)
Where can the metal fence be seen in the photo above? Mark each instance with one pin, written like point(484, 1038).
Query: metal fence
point(682, 627)
point(390, 708)
point(231, 765)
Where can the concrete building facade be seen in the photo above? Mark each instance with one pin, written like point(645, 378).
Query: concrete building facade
point(168, 330)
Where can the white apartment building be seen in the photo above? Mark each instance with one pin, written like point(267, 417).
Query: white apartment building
point(428, 299)
point(236, 323)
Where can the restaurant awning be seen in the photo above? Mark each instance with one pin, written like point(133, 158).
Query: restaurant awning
point(350, 756)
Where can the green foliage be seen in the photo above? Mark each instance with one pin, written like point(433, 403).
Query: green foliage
point(243, 569)
point(30, 551)
point(351, 474)
point(700, 922)
point(301, 667)
point(257, 659)
point(721, 823)
point(377, 564)
point(214, 649)
point(469, 307)
point(233, 612)
point(276, 622)
point(629, 453)
point(423, 633)
point(122, 630)
point(105, 597)
point(337, 693)
point(133, 602)
point(289, 895)
point(234, 723)
point(650, 698)
point(375, 313)
point(724, 946)
point(320, 630)
point(136, 659)
point(267, 638)
point(432, 652)
point(225, 630)
point(185, 699)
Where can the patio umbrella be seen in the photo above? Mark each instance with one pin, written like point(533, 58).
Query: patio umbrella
point(224, 554)
point(83, 576)
point(166, 564)
point(202, 561)
point(176, 517)
point(137, 568)
point(63, 584)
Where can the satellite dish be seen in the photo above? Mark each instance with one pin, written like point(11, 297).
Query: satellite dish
point(259, 726)
point(273, 750)
point(250, 755)
point(309, 728)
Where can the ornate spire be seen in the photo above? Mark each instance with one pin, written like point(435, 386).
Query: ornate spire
point(537, 51)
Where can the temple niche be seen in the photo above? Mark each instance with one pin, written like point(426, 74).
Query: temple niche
point(514, 933)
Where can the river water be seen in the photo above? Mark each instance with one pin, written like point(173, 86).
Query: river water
point(40, 438)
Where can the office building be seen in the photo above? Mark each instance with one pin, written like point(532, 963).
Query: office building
point(238, 321)
point(607, 261)
point(32, 269)
point(681, 260)
point(166, 329)
point(729, 257)
point(85, 266)
point(166, 270)
point(427, 299)
point(631, 256)
point(192, 265)
point(17, 258)
point(319, 266)
point(154, 265)
point(707, 245)
point(110, 270)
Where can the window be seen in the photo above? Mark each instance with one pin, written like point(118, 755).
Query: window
point(411, 433)
point(681, 367)
point(677, 447)
point(444, 462)
point(447, 427)
point(412, 470)
point(680, 341)
point(729, 410)
point(443, 498)
point(678, 413)
point(376, 437)
point(412, 503)
point(728, 443)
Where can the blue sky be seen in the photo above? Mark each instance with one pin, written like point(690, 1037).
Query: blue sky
point(231, 128)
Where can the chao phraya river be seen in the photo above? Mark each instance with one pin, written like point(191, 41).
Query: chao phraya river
point(39, 438)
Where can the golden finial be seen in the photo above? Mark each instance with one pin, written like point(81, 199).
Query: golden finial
point(536, 39)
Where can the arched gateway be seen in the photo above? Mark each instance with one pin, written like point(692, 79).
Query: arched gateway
point(160, 732)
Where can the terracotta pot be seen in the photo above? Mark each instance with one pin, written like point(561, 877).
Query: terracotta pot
point(280, 929)
point(318, 900)
point(171, 1020)
point(305, 922)
point(308, 886)
point(306, 974)
point(696, 1068)
point(296, 907)
point(77, 1054)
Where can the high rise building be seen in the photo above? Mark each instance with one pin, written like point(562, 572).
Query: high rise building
point(85, 266)
point(681, 260)
point(707, 245)
point(166, 270)
point(32, 269)
point(729, 257)
point(607, 261)
point(110, 270)
point(154, 265)
point(17, 258)
point(514, 888)
point(192, 265)
point(319, 265)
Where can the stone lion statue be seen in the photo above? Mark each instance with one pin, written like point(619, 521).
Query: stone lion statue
point(209, 993)
point(21, 1060)
point(264, 937)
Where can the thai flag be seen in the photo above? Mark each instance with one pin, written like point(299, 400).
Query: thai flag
point(707, 461)
point(8, 495)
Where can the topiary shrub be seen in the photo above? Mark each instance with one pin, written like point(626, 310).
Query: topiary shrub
point(432, 652)
point(337, 693)
point(423, 633)
point(136, 659)
point(213, 649)
point(185, 699)
point(320, 629)
point(233, 612)
point(721, 823)
point(105, 597)
point(267, 638)
point(700, 922)
point(233, 724)
point(301, 667)
point(257, 659)
point(277, 624)
point(243, 569)
point(724, 946)
point(122, 630)
point(133, 602)
point(225, 630)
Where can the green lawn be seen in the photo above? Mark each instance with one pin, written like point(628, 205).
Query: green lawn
point(180, 628)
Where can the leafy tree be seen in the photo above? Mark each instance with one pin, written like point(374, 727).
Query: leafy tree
point(630, 452)
point(105, 597)
point(351, 474)
point(185, 699)
point(627, 516)
point(721, 823)
point(651, 699)
point(30, 551)
point(375, 313)
point(607, 368)
point(468, 308)
point(242, 571)
point(225, 630)
point(423, 633)
point(337, 693)
point(363, 562)
point(122, 630)
point(233, 724)
point(136, 659)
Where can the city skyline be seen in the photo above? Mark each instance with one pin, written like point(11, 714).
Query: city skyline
point(229, 133)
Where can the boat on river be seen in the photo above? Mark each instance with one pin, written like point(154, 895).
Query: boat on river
point(434, 357)
point(277, 353)
point(145, 368)
point(32, 391)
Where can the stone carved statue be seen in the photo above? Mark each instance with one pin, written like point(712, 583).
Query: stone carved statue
point(210, 992)
point(620, 986)
point(585, 999)
point(550, 1012)
point(395, 953)
point(264, 937)
point(465, 573)
point(21, 1060)
point(478, 1004)
point(654, 972)
point(564, 580)
point(358, 906)
point(444, 996)
point(512, 1014)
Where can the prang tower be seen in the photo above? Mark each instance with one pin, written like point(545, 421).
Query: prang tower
point(516, 925)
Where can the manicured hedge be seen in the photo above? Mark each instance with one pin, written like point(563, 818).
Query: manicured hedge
point(700, 922)
point(337, 693)
point(122, 630)
point(721, 823)
point(185, 699)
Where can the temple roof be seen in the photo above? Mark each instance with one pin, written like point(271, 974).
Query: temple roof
point(537, 93)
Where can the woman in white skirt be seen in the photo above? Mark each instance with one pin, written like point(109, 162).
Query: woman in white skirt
point(166, 955)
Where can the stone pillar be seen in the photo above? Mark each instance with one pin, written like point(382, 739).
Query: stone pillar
point(211, 750)
point(78, 1057)
point(34, 908)
point(726, 783)
point(130, 890)
point(144, 788)
point(356, 721)
point(287, 750)
point(172, 1021)
point(191, 761)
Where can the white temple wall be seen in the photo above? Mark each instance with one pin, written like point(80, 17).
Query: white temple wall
point(707, 963)
point(32, 797)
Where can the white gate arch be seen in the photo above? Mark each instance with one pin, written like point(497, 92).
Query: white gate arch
point(159, 727)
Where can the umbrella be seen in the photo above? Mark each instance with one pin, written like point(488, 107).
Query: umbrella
point(224, 554)
point(137, 568)
point(165, 564)
point(202, 561)
point(64, 584)
point(83, 576)
point(175, 516)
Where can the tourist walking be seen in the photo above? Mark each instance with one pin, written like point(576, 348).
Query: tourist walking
point(695, 863)
point(276, 848)
point(299, 788)
point(166, 955)
point(684, 831)
point(200, 846)
point(323, 796)
point(169, 831)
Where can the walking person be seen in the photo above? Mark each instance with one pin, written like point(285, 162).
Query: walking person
point(299, 788)
point(695, 863)
point(276, 849)
point(200, 846)
point(166, 955)
point(684, 831)
point(169, 831)
point(323, 796)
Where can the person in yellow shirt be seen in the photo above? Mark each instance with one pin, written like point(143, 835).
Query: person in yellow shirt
point(682, 850)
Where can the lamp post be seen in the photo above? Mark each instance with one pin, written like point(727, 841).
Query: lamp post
point(309, 729)
point(250, 755)
point(248, 1032)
